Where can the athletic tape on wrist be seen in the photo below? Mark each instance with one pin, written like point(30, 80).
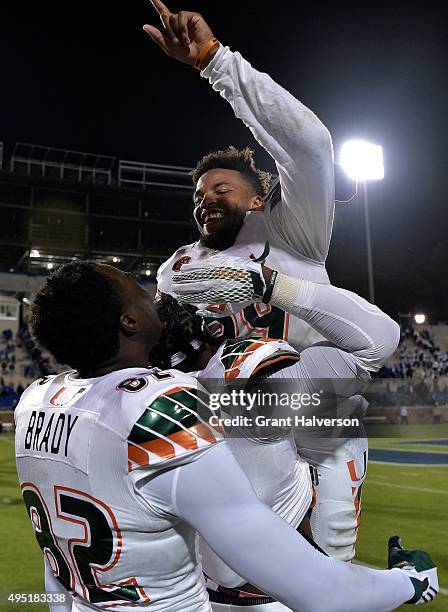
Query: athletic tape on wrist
point(285, 292)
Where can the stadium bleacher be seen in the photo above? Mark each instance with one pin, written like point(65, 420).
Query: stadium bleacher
point(415, 378)
point(21, 362)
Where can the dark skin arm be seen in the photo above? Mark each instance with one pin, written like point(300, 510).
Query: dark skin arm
point(183, 34)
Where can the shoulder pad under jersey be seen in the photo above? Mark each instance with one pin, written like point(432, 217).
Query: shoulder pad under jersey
point(248, 357)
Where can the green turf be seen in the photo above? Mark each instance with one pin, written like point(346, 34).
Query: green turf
point(393, 503)
point(411, 502)
point(410, 433)
point(21, 562)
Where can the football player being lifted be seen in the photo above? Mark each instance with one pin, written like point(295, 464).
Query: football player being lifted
point(237, 211)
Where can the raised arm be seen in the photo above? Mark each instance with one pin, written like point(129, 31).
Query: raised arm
point(291, 133)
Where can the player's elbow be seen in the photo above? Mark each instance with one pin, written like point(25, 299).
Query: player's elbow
point(383, 344)
point(390, 339)
point(395, 336)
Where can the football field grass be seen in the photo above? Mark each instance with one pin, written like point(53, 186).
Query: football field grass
point(408, 500)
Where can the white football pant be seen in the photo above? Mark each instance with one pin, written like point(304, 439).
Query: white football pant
point(336, 515)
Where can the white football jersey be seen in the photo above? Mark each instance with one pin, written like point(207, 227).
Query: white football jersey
point(280, 477)
point(83, 448)
point(258, 319)
point(297, 219)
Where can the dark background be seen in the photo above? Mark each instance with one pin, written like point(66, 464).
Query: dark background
point(84, 76)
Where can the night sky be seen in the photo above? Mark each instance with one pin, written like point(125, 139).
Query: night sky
point(84, 76)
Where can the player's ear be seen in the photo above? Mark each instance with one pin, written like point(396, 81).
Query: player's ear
point(257, 203)
point(128, 323)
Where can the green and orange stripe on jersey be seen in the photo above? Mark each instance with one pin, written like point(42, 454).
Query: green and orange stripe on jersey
point(236, 352)
point(169, 428)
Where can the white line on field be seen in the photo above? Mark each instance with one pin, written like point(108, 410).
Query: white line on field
point(396, 486)
point(413, 465)
point(442, 590)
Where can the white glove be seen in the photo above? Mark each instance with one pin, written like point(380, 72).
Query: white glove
point(230, 282)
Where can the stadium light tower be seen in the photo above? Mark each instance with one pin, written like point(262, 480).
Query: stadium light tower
point(363, 162)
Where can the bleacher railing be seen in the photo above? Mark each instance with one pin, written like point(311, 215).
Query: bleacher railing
point(77, 166)
point(61, 163)
point(140, 175)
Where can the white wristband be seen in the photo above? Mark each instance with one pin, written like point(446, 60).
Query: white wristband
point(285, 292)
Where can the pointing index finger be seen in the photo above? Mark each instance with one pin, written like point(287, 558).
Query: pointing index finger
point(160, 7)
point(165, 14)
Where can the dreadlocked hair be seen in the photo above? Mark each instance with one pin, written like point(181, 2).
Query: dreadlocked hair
point(234, 159)
point(75, 315)
point(181, 327)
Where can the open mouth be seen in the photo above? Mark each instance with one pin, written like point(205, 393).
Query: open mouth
point(212, 216)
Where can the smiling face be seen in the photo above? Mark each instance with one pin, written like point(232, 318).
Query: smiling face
point(222, 198)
